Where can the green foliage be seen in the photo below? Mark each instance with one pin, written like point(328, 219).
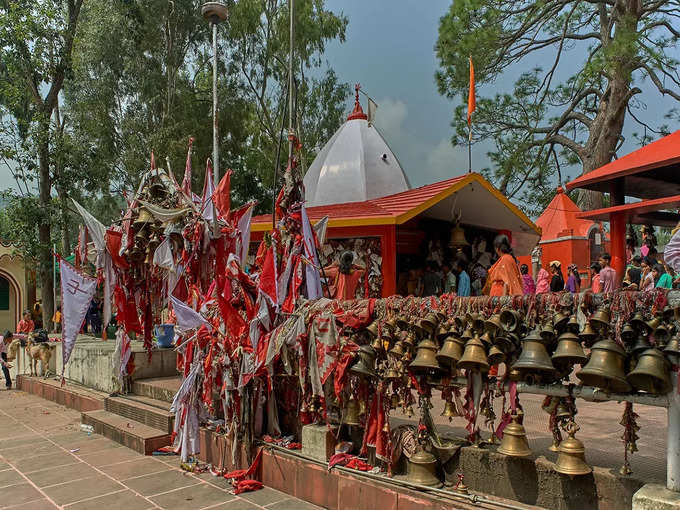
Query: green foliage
point(570, 110)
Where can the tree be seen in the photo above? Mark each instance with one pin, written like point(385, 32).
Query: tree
point(571, 111)
point(36, 46)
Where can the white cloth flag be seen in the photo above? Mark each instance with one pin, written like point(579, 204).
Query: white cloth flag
point(312, 276)
point(208, 190)
point(76, 294)
point(671, 253)
point(162, 257)
point(244, 228)
point(187, 317)
point(96, 230)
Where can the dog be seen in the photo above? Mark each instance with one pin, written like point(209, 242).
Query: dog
point(36, 351)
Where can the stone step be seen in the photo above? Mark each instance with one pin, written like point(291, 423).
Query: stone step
point(133, 434)
point(151, 412)
point(158, 388)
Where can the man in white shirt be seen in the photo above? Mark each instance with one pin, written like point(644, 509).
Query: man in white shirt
point(5, 340)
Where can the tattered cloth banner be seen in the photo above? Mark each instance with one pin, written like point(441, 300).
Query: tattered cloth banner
point(187, 317)
point(77, 290)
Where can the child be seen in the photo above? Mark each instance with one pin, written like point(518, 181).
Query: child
point(26, 325)
point(56, 321)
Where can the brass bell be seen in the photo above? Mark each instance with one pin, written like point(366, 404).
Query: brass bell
point(366, 364)
point(467, 334)
point(391, 325)
point(457, 239)
point(351, 414)
point(442, 332)
point(449, 410)
point(672, 347)
point(627, 332)
point(441, 316)
point(661, 334)
point(569, 351)
point(547, 333)
point(652, 324)
point(605, 367)
point(450, 353)
point(505, 342)
point(571, 459)
point(394, 401)
point(601, 319)
point(429, 323)
point(372, 329)
point(403, 323)
point(391, 373)
point(510, 319)
point(425, 361)
point(143, 218)
point(588, 335)
point(496, 356)
point(487, 338)
point(573, 325)
point(474, 356)
point(651, 374)
point(514, 442)
point(638, 322)
point(377, 344)
point(493, 325)
point(560, 320)
point(458, 323)
point(640, 345)
point(421, 469)
point(534, 360)
point(397, 351)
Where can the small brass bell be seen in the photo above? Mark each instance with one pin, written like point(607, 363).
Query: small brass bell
point(474, 356)
point(467, 334)
point(496, 356)
point(652, 324)
point(547, 333)
point(571, 459)
point(573, 325)
point(377, 344)
point(661, 334)
point(397, 351)
point(601, 319)
point(394, 401)
point(402, 322)
point(560, 320)
point(457, 239)
point(449, 410)
point(641, 345)
point(372, 329)
point(391, 373)
point(450, 353)
point(477, 322)
point(421, 469)
point(442, 332)
point(588, 335)
point(143, 217)
point(510, 319)
point(651, 374)
point(409, 341)
point(638, 322)
point(504, 342)
point(429, 323)
point(514, 442)
point(563, 411)
point(493, 324)
point(672, 347)
point(425, 361)
point(627, 333)
point(366, 364)
point(487, 338)
point(351, 414)
point(569, 351)
point(534, 361)
point(605, 368)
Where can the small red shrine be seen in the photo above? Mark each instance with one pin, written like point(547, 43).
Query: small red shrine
point(650, 174)
point(567, 237)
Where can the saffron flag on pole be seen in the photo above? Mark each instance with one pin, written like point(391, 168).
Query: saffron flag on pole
point(471, 94)
point(77, 290)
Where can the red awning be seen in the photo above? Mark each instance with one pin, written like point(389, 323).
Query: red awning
point(645, 212)
point(648, 172)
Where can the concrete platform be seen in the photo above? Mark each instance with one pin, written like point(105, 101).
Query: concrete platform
point(133, 434)
point(153, 413)
point(157, 388)
point(73, 396)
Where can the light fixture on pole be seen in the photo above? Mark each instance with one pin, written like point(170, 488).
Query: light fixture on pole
point(215, 13)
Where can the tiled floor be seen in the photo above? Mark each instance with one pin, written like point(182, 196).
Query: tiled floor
point(47, 462)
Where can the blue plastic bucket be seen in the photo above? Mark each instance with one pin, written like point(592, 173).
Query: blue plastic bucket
point(165, 334)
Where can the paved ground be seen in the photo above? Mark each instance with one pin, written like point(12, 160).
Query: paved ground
point(47, 462)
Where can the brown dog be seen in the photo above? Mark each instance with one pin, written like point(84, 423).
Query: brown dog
point(36, 352)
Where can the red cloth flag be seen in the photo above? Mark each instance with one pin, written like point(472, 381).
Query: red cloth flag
point(471, 94)
point(267, 281)
point(222, 195)
point(113, 244)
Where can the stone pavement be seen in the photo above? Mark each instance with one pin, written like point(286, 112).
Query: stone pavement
point(46, 461)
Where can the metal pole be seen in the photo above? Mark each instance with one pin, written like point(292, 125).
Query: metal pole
point(216, 147)
point(673, 439)
point(291, 113)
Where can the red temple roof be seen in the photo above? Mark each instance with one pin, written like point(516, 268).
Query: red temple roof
point(560, 219)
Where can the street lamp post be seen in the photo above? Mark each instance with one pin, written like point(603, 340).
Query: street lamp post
point(215, 13)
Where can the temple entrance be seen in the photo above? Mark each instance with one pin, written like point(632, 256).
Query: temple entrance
point(8, 304)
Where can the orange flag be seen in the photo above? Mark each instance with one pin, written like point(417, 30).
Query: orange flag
point(471, 94)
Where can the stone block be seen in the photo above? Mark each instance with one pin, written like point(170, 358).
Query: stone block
point(318, 442)
point(656, 497)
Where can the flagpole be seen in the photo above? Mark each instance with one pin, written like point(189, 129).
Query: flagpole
point(470, 148)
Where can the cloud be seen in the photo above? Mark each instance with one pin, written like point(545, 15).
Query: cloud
point(445, 160)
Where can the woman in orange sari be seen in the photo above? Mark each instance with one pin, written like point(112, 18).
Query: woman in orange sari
point(504, 278)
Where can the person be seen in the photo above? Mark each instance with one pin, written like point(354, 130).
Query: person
point(449, 279)
point(557, 280)
point(607, 273)
point(595, 283)
point(432, 283)
point(647, 276)
point(344, 276)
point(5, 340)
point(528, 285)
point(37, 314)
point(504, 278)
point(92, 317)
point(26, 325)
point(542, 281)
point(634, 272)
point(662, 278)
point(478, 277)
point(573, 280)
point(463, 279)
point(56, 321)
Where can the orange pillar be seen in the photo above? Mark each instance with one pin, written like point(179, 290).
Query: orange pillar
point(388, 245)
point(617, 223)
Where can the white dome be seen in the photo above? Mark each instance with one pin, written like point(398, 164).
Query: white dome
point(355, 165)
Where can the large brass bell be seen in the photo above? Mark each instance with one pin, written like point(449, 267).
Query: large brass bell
point(457, 239)
point(493, 324)
point(569, 351)
point(450, 353)
point(571, 459)
point(422, 469)
point(474, 356)
point(588, 335)
point(514, 442)
point(605, 367)
point(365, 366)
point(351, 413)
point(640, 345)
point(672, 347)
point(600, 320)
point(534, 361)
point(651, 374)
point(425, 361)
point(510, 319)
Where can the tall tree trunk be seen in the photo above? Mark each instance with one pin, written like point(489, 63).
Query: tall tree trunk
point(44, 230)
point(63, 220)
